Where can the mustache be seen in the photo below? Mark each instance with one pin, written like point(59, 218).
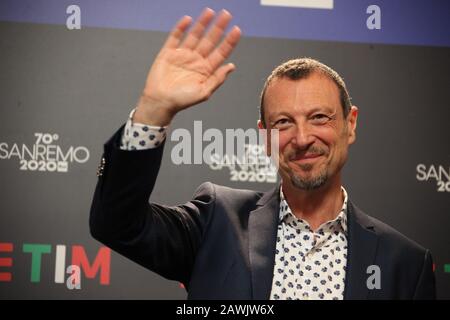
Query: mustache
point(311, 151)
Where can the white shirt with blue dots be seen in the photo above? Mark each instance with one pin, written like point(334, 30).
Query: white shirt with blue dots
point(138, 136)
point(310, 264)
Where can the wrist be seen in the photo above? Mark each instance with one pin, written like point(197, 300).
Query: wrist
point(151, 112)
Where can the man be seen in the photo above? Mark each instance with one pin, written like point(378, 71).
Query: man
point(302, 240)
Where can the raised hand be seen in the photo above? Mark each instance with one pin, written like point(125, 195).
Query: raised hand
point(187, 71)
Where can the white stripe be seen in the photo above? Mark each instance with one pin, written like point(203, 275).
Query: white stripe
point(60, 263)
point(311, 4)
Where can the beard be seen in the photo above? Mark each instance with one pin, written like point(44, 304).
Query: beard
point(309, 182)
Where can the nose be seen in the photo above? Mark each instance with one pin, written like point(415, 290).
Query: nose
point(303, 137)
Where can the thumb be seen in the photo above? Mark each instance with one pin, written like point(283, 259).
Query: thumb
point(219, 76)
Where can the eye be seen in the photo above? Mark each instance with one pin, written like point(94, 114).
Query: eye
point(281, 123)
point(320, 118)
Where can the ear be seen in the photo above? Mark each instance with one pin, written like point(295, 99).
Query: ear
point(352, 119)
point(267, 140)
point(260, 125)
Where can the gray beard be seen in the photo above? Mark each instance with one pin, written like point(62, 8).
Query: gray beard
point(309, 184)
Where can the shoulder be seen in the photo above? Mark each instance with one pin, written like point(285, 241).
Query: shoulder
point(225, 194)
point(390, 239)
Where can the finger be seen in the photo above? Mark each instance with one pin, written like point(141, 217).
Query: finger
point(198, 29)
point(212, 38)
point(223, 51)
point(175, 36)
point(219, 77)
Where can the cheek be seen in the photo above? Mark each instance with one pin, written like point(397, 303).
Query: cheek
point(339, 148)
point(327, 132)
point(327, 136)
point(283, 141)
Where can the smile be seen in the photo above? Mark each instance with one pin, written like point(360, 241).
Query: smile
point(306, 158)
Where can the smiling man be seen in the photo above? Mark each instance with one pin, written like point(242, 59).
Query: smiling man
point(308, 103)
point(304, 239)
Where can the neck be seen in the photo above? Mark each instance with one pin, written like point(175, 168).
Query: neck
point(315, 206)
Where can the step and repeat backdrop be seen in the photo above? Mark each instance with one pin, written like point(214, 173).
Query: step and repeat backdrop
point(71, 71)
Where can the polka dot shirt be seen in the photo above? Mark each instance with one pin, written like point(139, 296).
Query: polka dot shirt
point(310, 264)
point(138, 136)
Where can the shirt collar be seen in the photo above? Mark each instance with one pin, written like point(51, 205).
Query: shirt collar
point(341, 218)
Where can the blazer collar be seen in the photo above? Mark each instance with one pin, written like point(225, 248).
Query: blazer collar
point(263, 226)
point(362, 249)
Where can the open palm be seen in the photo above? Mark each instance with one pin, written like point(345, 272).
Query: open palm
point(188, 71)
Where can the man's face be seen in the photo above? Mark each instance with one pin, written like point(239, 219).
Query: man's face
point(314, 136)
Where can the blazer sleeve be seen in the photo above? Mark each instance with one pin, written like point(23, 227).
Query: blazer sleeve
point(426, 285)
point(161, 238)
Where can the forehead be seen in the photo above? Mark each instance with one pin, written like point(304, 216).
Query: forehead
point(317, 90)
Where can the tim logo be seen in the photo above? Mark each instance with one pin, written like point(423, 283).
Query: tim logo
point(45, 154)
point(66, 273)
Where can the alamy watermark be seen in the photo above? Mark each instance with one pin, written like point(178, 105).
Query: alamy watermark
point(250, 155)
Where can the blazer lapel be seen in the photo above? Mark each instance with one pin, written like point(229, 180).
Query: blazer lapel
point(262, 228)
point(362, 246)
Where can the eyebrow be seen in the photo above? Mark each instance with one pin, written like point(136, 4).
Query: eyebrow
point(309, 111)
point(322, 108)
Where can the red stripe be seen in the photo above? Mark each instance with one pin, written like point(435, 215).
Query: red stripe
point(5, 276)
point(6, 247)
point(5, 262)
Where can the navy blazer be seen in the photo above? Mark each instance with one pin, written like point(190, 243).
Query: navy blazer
point(221, 244)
